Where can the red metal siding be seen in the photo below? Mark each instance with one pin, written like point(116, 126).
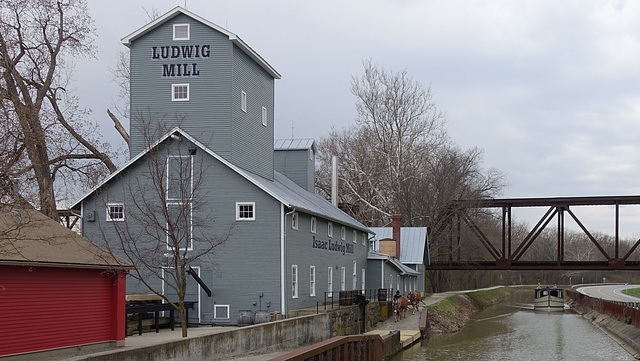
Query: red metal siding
point(43, 308)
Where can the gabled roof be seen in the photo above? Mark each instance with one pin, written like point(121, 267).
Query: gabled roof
point(28, 237)
point(413, 241)
point(405, 271)
point(127, 40)
point(281, 188)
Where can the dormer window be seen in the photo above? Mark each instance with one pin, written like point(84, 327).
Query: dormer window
point(181, 32)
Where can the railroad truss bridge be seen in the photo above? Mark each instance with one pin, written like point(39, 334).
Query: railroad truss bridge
point(506, 253)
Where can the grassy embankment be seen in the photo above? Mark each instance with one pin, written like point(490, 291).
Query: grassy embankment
point(635, 292)
point(453, 313)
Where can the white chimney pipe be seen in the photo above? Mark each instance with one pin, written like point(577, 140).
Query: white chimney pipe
point(334, 180)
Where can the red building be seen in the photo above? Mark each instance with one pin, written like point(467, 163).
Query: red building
point(57, 289)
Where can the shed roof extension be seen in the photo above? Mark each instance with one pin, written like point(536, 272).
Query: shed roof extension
point(28, 237)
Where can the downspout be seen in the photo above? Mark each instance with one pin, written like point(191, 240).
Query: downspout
point(283, 244)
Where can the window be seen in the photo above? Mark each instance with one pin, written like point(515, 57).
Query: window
point(310, 154)
point(313, 225)
point(181, 32)
point(329, 229)
point(355, 236)
point(364, 239)
point(179, 92)
point(343, 279)
point(264, 116)
point(245, 211)
point(243, 101)
point(294, 220)
point(115, 212)
point(330, 282)
point(179, 227)
point(355, 276)
point(312, 281)
point(398, 282)
point(221, 311)
point(294, 281)
point(363, 278)
point(179, 177)
point(343, 233)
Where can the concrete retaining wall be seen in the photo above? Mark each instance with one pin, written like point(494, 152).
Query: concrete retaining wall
point(628, 336)
point(262, 338)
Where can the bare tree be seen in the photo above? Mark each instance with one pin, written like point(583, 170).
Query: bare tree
point(169, 224)
point(44, 135)
point(399, 158)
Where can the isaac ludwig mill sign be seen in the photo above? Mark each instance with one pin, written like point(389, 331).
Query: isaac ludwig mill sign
point(340, 247)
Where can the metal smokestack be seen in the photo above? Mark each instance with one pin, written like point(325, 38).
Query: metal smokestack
point(334, 180)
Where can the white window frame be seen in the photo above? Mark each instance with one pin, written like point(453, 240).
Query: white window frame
point(364, 239)
point(221, 307)
point(264, 116)
point(363, 280)
point(294, 281)
point(329, 229)
point(173, 92)
point(312, 281)
point(313, 225)
point(109, 212)
point(253, 208)
point(188, 37)
point(295, 219)
point(243, 101)
point(330, 282)
point(355, 236)
point(182, 204)
point(343, 233)
point(355, 276)
point(169, 173)
point(343, 279)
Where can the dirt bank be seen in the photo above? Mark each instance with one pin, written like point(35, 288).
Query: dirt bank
point(453, 313)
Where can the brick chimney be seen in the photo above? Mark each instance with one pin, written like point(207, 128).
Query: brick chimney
point(396, 220)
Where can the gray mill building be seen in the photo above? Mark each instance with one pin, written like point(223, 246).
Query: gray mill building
point(200, 95)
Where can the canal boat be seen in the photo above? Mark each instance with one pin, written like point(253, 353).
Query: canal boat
point(548, 299)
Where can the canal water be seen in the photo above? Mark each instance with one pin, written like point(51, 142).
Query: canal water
point(513, 331)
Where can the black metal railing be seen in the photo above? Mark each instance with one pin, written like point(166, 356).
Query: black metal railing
point(347, 298)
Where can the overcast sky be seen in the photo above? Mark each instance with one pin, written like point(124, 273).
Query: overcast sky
point(550, 90)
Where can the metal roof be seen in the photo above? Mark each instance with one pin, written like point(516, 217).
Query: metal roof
point(405, 270)
point(232, 37)
point(413, 241)
point(281, 188)
point(292, 144)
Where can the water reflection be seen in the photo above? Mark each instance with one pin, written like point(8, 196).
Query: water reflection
point(513, 331)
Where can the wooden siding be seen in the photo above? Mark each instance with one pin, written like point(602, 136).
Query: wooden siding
point(252, 142)
point(206, 115)
point(296, 165)
point(300, 251)
point(249, 260)
point(44, 308)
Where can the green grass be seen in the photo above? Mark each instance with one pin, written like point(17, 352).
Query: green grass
point(489, 297)
point(635, 292)
point(447, 307)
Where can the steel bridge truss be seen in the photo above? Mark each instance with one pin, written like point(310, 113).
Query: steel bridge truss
point(505, 257)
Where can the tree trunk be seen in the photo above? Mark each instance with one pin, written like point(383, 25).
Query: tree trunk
point(183, 317)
